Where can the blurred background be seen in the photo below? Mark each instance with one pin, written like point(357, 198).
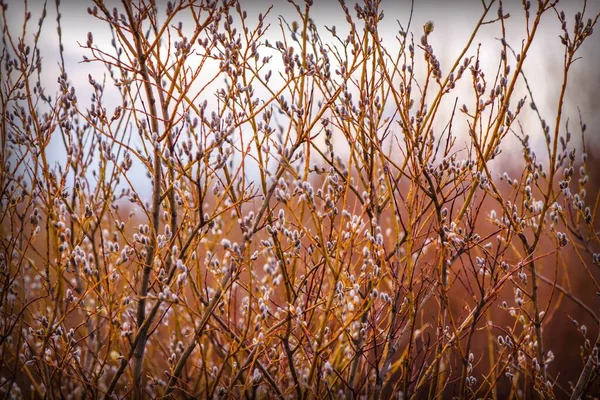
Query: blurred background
point(454, 22)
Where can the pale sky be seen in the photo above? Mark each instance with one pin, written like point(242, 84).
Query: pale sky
point(453, 20)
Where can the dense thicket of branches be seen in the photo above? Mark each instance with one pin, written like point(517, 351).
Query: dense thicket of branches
point(314, 228)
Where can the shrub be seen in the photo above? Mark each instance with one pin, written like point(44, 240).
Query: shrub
point(312, 221)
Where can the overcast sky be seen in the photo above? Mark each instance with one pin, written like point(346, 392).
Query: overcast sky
point(453, 20)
